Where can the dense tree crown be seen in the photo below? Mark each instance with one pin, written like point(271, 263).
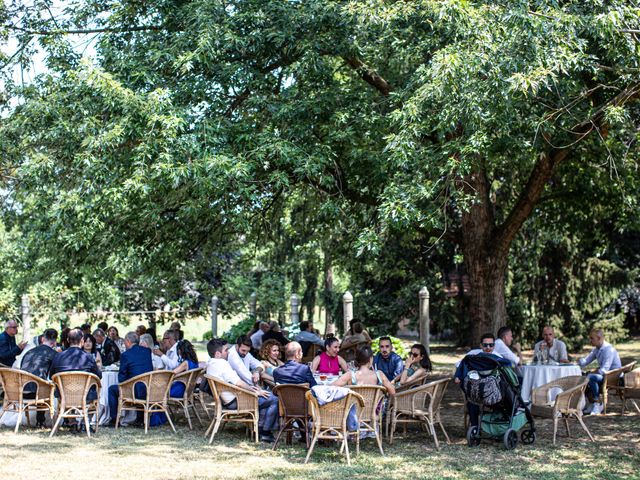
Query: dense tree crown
point(395, 142)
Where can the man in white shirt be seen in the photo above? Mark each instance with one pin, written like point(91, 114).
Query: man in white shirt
point(555, 349)
point(503, 342)
point(608, 359)
point(219, 367)
point(256, 338)
point(245, 364)
point(170, 344)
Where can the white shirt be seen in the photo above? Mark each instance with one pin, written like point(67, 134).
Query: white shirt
point(170, 359)
point(607, 357)
point(243, 366)
point(557, 351)
point(256, 339)
point(505, 352)
point(220, 368)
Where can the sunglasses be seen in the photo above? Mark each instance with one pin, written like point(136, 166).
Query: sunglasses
point(487, 345)
point(414, 354)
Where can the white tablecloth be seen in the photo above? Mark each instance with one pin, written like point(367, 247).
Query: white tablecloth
point(536, 375)
point(327, 381)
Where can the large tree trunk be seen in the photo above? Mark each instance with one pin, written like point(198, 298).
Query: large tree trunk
point(485, 261)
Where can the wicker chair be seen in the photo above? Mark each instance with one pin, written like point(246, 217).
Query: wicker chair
point(246, 411)
point(349, 353)
point(157, 384)
point(73, 388)
point(631, 390)
point(188, 379)
point(420, 405)
point(13, 383)
point(293, 408)
point(415, 381)
point(205, 398)
point(567, 404)
point(330, 421)
point(312, 351)
point(371, 415)
point(611, 383)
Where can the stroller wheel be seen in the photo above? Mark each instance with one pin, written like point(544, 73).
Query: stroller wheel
point(528, 436)
point(473, 436)
point(510, 439)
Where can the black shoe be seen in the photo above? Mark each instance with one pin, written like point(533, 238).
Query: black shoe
point(111, 424)
point(267, 438)
point(40, 425)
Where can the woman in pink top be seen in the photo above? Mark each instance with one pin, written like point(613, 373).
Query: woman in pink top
point(329, 361)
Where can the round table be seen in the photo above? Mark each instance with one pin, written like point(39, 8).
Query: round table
point(536, 375)
point(330, 379)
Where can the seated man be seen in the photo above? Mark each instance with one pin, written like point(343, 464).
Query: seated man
point(219, 367)
point(608, 359)
point(136, 360)
point(245, 365)
point(502, 344)
point(108, 350)
point(170, 345)
point(9, 349)
point(75, 359)
point(555, 349)
point(256, 338)
point(38, 362)
point(307, 335)
point(388, 361)
point(293, 371)
point(487, 344)
point(275, 334)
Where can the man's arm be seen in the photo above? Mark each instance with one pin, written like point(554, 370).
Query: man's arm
point(588, 359)
point(239, 367)
point(170, 363)
point(506, 352)
point(309, 378)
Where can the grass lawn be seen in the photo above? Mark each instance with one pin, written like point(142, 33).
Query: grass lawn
point(130, 455)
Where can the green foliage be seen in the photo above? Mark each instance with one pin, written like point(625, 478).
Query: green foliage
point(241, 328)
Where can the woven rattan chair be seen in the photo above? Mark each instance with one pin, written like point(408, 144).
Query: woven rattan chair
point(568, 403)
point(189, 380)
point(73, 388)
point(631, 390)
point(312, 351)
point(294, 408)
point(611, 383)
point(157, 384)
point(414, 382)
point(13, 382)
point(349, 353)
point(420, 405)
point(330, 421)
point(246, 410)
point(371, 415)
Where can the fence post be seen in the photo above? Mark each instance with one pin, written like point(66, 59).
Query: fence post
point(347, 310)
point(26, 317)
point(423, 295)
point(214, 316)
point(253, 301)
point(295, 312)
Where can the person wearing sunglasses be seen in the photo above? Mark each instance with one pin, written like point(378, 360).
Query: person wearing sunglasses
point(416, 365)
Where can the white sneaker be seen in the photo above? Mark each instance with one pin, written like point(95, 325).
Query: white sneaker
point(588, 409)
point(597, 409)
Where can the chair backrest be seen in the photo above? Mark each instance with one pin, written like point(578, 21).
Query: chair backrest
point(413, 382)
point(189, 379)
point(333, 414)
point(573, 387)
point(310, 352)
point(245, 400)
point(372, 396)
point(349, 353)
point(440, 386)
point(632, 379)
point(292, 399)
point(13, 382)
point(74, 386)
point(158, 385)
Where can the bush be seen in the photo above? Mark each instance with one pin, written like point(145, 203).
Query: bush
point(241, 328)
point(398, 347)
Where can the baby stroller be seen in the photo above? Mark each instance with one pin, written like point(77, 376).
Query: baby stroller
point(490, 383)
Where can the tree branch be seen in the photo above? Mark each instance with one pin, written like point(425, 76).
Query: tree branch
point(547, 164)
point(86, 31)
point(369, 75)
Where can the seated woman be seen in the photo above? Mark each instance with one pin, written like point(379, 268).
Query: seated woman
point(89, 347)
point(365, 374)
point(416, 365)
point(351, 330)
point(328, 361)
point(357, 336)
point(270, 355)
point(188, 361)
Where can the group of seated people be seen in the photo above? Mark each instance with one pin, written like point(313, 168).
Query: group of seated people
point(92, 352)
point(554, 350)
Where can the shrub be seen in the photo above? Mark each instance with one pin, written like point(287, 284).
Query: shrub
point(398, 347)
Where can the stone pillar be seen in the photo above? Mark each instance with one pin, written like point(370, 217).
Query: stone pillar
point(423, 295)
point(295, 306)
point(214, 316)
point(253, 301)
point(347, 310)
point(25, 312)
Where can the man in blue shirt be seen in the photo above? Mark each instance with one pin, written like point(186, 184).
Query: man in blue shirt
point(608, 359)
point(387, 361)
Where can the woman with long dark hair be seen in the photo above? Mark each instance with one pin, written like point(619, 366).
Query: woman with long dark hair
point(417, 364)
